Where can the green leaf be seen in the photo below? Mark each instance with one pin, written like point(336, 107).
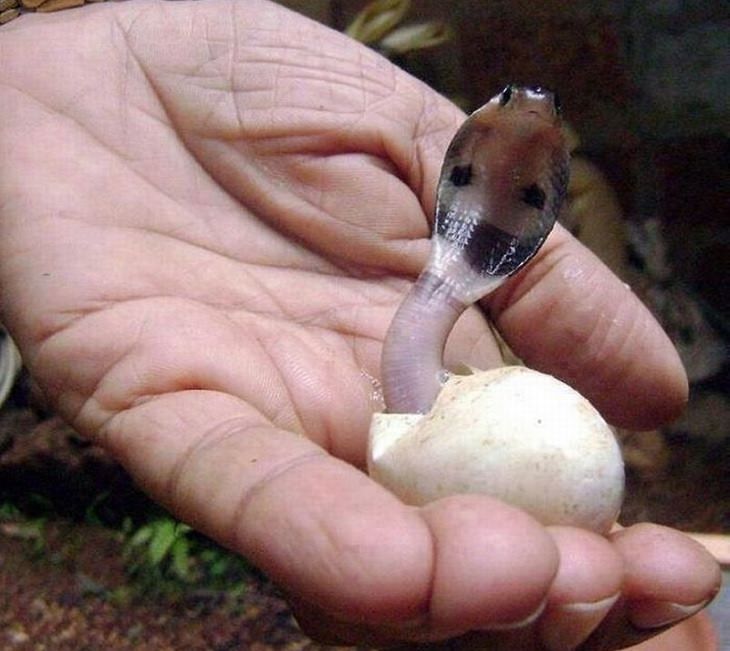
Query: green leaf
point(164, 534)
point(181, 558)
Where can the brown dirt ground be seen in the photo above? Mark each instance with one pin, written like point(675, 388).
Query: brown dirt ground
point(58, 601)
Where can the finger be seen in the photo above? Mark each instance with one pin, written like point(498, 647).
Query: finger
point(587, 585)
point(668, 578)
point(568, 315)
point(493, 567)
point(493, 564)
point(326, 629)
point(325, 531)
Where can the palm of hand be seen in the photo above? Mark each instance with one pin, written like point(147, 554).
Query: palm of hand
point(209, 244)
point(214, 229)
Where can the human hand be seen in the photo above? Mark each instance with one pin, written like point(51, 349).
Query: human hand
point(209, 214)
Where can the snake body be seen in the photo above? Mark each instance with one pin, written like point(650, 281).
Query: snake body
point(502, 183)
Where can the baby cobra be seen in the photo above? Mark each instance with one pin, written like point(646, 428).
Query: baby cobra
point(502, 183)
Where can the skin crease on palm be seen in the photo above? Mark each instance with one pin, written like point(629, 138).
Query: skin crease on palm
point(209, 213)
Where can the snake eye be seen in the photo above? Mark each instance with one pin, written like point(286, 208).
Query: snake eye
point(505, 95)
point(460, 175)
point(534, 196)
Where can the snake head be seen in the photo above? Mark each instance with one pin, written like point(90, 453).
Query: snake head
point(502, 183)
point(503, 180)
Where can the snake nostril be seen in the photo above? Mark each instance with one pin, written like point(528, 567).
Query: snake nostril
point(505, 95)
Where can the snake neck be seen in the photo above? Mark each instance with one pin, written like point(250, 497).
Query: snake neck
point(412, 368)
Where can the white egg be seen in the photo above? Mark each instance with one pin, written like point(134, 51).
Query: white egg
point(512, 433)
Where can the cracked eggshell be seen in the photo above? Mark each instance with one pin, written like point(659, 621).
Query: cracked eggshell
point(512, 433)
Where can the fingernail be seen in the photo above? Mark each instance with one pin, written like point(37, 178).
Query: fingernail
point(655, 614)
point(565, 627)
point(522, 623)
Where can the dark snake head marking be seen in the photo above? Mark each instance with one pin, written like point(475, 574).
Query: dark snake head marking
point(533, 195)
point(460, 175)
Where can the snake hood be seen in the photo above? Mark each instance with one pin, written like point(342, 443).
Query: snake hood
point(502, 183)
